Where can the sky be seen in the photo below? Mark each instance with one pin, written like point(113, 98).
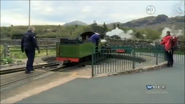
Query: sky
point(55, 12)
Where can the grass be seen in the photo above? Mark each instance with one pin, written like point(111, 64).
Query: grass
point(20, 55)
point(15, 52)
point(7, 60)
point(16, 55)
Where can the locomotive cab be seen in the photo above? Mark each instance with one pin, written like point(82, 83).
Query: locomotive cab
point(84, 36)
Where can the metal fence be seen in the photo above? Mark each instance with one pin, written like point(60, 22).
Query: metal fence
point(108, 61)
point(7, 49)
point(41, 41)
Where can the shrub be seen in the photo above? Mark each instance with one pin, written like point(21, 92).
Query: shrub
point(7, 60)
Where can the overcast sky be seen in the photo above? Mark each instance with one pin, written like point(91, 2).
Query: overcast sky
point(56, 12)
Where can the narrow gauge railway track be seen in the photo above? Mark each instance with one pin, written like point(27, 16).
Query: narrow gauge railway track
point(49, 59)
point(31, 77)
point(13, 70)
point(47, 71)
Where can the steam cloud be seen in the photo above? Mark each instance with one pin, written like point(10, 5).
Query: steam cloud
point(120, 33)
point(128, 34)
point(172, 31)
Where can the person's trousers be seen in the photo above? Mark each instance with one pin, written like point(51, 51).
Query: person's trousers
point(169, 57)
point(30, 53)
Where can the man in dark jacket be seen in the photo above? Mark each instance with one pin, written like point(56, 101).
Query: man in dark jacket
point(28, 45)
point(95, 38)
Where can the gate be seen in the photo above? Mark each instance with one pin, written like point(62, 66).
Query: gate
point(119, 59)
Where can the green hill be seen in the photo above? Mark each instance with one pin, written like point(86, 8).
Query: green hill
point(140, 26)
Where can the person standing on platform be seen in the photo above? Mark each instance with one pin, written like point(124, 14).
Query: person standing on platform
point(28, 45)
point(167, 42)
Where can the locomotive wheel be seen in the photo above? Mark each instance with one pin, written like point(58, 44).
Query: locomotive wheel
point(82, 60)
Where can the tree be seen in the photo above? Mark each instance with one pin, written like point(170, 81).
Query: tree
point(152, 34)
point(139, 35)
point(118, 25)
point(105, 27)
point(94, 23)
point(76, 26)
point(97, 28)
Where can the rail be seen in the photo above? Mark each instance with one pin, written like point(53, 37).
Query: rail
point(48, 69)
point(13, 70)
point(16, 48)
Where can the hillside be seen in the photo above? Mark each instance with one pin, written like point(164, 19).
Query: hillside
point(148, 25)
point(156, 22)
point(76, 23)
point(151, 22)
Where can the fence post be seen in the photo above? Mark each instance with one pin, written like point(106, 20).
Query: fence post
point(6, 50)
point(92, 62)
point(133, 62)
point(154, 51)
point(156, 55)
point(46, 50)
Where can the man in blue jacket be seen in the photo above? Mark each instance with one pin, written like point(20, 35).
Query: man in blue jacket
point(95, 38)
point(28, 45)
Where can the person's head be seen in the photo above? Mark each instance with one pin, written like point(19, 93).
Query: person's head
point(168, 33)
point(32, 29)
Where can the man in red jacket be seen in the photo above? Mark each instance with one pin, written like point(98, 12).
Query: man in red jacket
point(168, 48)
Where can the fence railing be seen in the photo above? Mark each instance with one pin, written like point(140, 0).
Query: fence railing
point(40, 41)
point(116, 59)
point(108, 61)
point(7, 49)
